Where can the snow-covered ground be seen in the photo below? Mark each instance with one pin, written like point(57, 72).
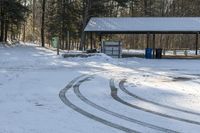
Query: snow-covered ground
point(121, 95)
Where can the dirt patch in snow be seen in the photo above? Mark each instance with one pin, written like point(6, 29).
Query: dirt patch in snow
point(176, 79)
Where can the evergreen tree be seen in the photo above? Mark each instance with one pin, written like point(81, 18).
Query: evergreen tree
point(12, 13)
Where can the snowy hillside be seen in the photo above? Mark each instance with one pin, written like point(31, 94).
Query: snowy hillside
point(45, 93)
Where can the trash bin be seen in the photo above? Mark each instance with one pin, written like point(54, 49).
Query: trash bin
point(158, 53)
point(148, 53)
point(54, 42)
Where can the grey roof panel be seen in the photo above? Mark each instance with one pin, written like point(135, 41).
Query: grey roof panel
point(141, 24)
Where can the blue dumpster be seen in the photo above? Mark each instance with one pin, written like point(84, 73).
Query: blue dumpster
point(148, 53)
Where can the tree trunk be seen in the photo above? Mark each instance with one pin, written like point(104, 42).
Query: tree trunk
point(63, 24)
point(42, 27)
point(145, 8)
point(2, 23)
point(6, 31)
point(24, 28)
point(34, 17)
point(85, 19)
point(24, 32)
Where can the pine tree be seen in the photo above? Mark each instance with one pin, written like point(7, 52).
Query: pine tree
point(12, 13)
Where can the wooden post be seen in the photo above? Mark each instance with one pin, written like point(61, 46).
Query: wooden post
point(58, 46)
point(91, 47)
point(197, 42)
point(148, 36)
point(86, 43)
point(154, 43)
point(119, 49)
point(100, 39)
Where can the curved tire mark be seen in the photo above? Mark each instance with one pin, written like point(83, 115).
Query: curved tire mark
point(84, 99)
point(115, 96)
point(121, 86)
point(83, 112)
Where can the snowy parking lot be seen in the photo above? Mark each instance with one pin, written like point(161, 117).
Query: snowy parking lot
point(41, 92)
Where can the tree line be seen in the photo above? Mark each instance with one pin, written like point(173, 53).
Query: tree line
point(12, 14)
point(41, 20)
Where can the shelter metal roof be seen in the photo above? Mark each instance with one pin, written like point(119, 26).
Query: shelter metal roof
point(144, 25)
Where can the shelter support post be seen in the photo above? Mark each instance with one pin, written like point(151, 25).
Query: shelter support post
point(84, 44)
point(91, 45)
point(154, 43)
point(148, 36)
point(100, 39)
point(197, 42)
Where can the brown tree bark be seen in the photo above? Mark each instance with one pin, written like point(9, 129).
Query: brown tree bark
point(86, 5)
point(43, 19)
point(34, 19)
point(2, 22)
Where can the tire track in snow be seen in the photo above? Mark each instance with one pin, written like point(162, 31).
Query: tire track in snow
point(67, 102)
point(84, 99)
point(121, 86)
point(117, 98)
